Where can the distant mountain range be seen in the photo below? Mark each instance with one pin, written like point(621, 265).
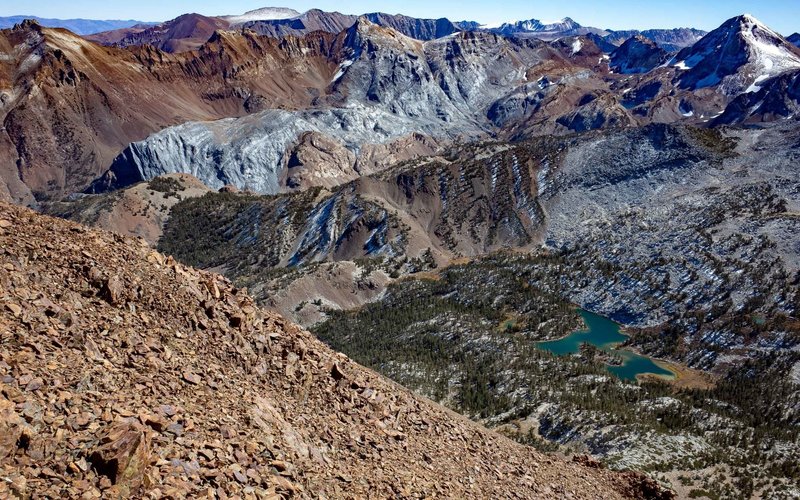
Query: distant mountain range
point(318, 107)
point(671, 40)
point(190, 31)
point(78, 26)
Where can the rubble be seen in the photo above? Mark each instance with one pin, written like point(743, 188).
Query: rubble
point(124, 374)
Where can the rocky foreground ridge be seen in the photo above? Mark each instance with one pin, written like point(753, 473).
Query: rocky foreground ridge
point(126, 374)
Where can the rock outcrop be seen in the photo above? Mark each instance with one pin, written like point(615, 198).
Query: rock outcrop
point(125, 374)
point(637, 55)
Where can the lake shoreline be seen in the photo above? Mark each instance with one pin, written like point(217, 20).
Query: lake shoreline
point(606, 335)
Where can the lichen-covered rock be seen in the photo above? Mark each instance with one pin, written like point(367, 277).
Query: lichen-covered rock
point(122, 456)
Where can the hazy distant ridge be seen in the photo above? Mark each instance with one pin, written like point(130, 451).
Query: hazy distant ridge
point(78, 26)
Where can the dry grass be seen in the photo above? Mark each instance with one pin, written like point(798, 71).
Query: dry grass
point(685, 377)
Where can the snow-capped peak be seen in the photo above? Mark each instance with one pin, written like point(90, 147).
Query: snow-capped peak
point(741, 52)
point(768, 49)
point(749, 22)
point(263, 14)
point(750, 17)
point(535, 25)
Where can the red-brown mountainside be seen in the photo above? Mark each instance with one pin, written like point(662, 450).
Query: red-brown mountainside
point(186, 32)
point(114, 36)
point(125, 374)
point(69, 106)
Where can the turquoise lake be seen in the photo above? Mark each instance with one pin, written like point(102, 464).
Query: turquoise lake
point(604, 334)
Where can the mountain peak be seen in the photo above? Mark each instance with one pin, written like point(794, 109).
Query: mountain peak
point(28, 24)
point(570, 21)
point(366, 27)
point(749, 18)
point(367, 35)
point(740, 53)
point(537, 26)
point(749, 23)
point(638, 54)
point(263, 14)
point(363, 24)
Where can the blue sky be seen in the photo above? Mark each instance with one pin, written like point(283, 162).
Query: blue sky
point(781, 15)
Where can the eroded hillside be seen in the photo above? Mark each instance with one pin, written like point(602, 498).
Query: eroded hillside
point(125, 373)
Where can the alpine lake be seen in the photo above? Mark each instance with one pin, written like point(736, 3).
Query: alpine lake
point(605, 335)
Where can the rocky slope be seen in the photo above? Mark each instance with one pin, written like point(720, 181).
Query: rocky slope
point(139, 211)
point(670, 40)
point(112, 37)
point(274, 150)
point(420, 29)
point(777, 98)
point(309, 21)
point(483, 199)
point(369, 96)
point(431, 92)
point(69, 106)
point(190, 31)
point(637, 55)
point(335, 22)
point(126, 374)
point(701, 81)
point(186, 32)
point(475, 84)
point(86, 103)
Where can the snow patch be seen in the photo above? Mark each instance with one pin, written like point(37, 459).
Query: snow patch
point(772, 57)
point(577, 45)
point(755, 87)
point(495, 173)
point(342, 68)
point(265, 14)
